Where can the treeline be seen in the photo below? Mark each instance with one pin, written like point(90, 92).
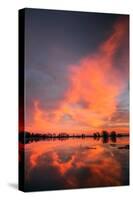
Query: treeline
point(27, 136)
point(106, 134)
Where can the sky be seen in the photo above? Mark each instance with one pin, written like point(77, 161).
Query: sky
point(76, 72)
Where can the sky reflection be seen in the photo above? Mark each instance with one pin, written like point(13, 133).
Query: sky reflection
point(75, 164)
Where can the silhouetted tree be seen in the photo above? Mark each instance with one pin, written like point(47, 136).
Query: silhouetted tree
point(98, 134)
point(105, 134)
point(94, 135)
point(113, 134)
point(83, 135)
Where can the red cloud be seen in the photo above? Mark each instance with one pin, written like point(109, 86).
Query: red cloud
point(95, 85)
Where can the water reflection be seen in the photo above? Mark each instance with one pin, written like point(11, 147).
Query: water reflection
point(76, 163)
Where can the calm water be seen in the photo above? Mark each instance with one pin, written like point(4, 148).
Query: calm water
point(76, 163)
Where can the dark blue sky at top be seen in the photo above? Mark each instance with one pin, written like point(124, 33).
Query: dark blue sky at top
point(53, 41)
point(74, 33)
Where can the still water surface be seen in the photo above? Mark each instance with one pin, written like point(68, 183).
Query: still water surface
point(76, 163)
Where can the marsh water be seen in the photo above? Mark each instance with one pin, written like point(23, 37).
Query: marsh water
point(76, 163)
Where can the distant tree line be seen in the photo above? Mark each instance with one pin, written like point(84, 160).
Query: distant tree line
point(106, 134)
point(27, 136)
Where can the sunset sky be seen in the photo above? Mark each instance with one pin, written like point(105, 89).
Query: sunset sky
point(76, 72)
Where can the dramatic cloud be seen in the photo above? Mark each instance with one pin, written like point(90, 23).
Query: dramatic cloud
point(94, 87)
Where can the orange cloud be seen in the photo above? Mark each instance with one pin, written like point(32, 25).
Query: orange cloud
point(94, 87)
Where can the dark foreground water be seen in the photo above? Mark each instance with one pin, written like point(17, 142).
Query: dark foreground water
point(76, 163)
